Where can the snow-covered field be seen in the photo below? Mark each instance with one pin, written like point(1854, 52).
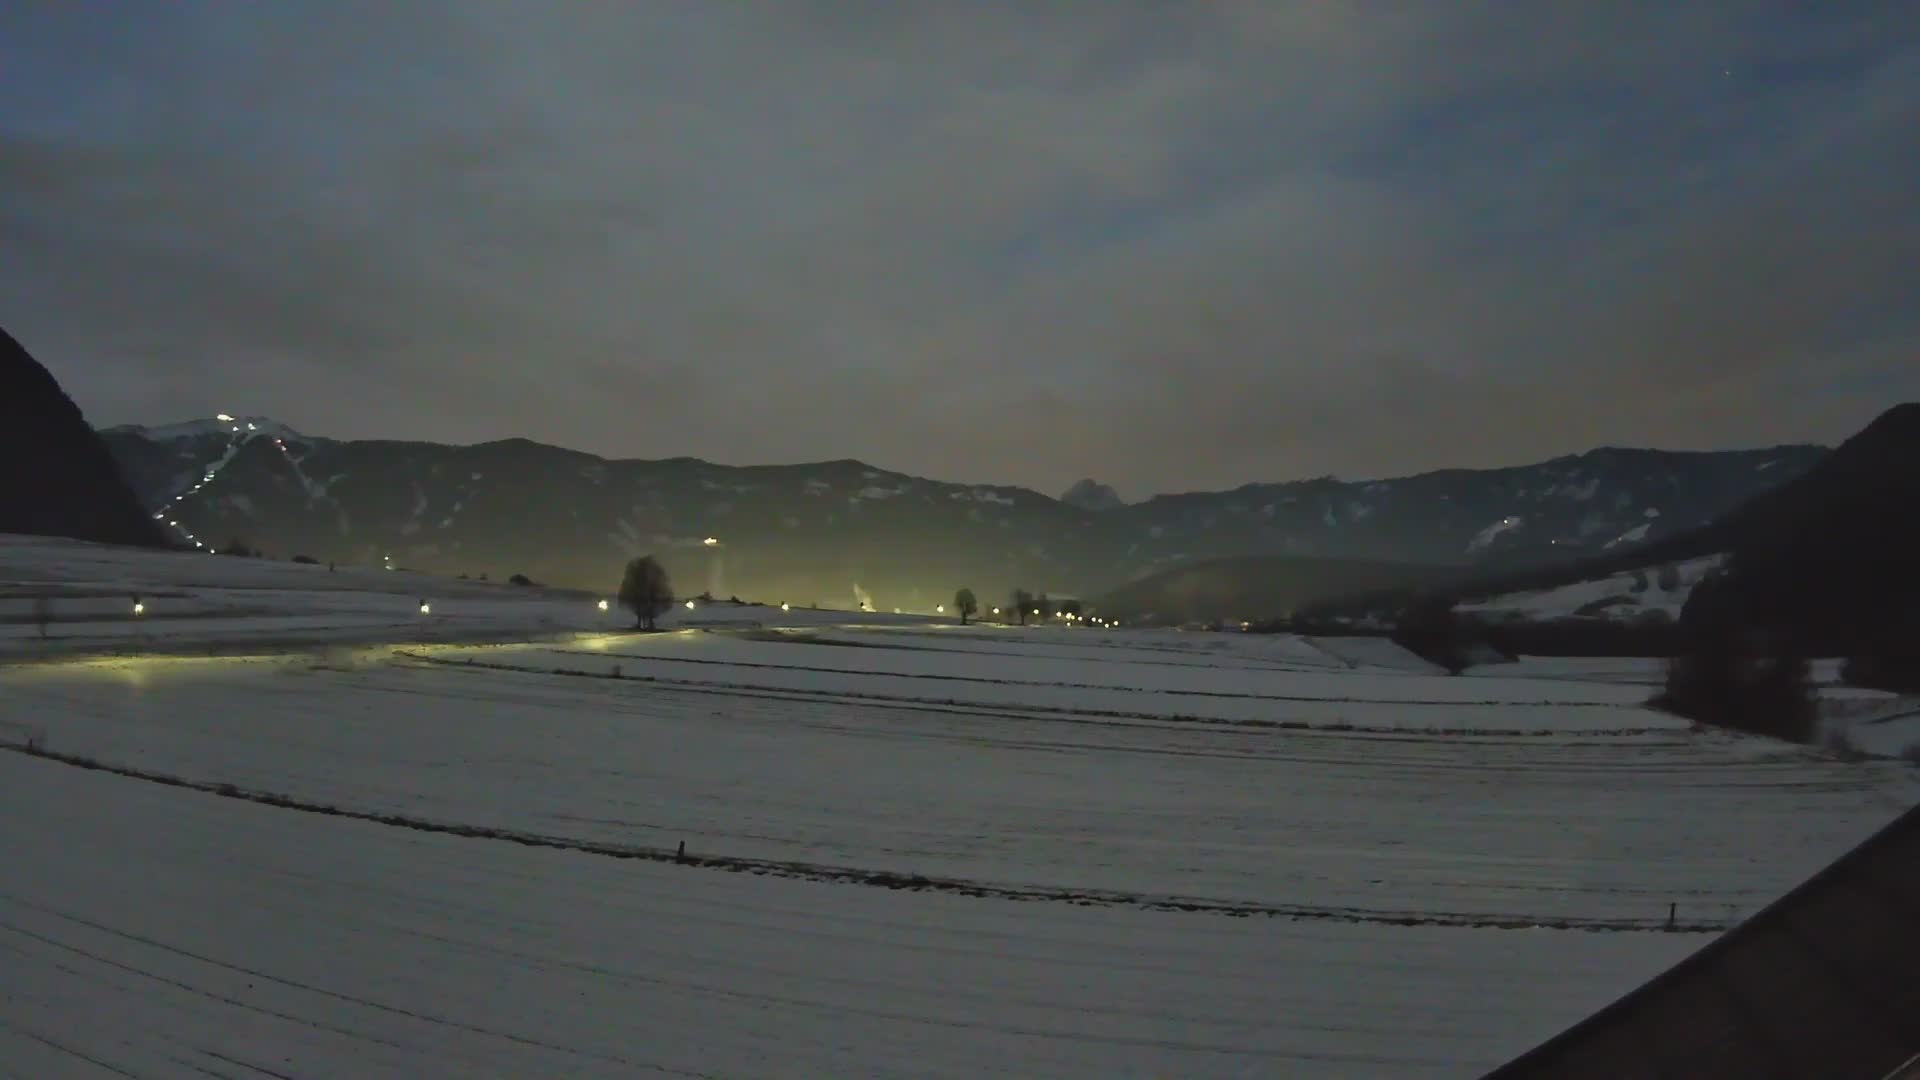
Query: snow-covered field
point(378, 847)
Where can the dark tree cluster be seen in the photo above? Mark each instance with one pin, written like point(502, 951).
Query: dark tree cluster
point(1737, 671)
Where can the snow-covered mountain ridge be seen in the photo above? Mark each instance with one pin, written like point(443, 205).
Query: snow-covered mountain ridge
point(816, 531)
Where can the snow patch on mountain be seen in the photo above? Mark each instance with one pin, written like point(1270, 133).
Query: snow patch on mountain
point(1485, 537)
point(1631, 536)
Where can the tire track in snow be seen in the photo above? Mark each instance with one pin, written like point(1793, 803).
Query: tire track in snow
point(1227, 694)
point(1052, 711)
point(350, 999)
point(891, 879)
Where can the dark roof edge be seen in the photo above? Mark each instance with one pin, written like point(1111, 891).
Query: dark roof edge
point(1531, 1062)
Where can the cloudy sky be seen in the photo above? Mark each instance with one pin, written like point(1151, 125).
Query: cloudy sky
point(1169, 245)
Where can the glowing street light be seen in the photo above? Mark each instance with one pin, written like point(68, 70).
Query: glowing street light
point(939, 609)
point(139, 608)
point(426, 608)
point(996, 611)
point(689, 605)
point(711, 542)
point(784, 606)
point(223, 418)
point(603, 605)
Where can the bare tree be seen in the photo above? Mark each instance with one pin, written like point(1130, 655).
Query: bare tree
point(965, 604)
point(646, 591)
point(1022, 604)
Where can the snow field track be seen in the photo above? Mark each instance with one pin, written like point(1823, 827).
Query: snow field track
point(913, 849)
point(1501, 827)
point(247, 940)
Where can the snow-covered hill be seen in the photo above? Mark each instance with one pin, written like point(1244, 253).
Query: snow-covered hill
point(1655, 593)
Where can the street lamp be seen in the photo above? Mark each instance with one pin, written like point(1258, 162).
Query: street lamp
point(689, 605)
point(603, 605)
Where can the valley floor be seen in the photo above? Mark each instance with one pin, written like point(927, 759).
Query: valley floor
point(912, 849)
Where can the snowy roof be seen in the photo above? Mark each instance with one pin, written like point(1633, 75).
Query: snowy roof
point(1819, 983)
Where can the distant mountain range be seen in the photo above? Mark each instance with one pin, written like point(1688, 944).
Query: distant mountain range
point(833, 532)
point(1824, 559)
point(58, 480)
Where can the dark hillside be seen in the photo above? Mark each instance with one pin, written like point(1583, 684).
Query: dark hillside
point(58, 479)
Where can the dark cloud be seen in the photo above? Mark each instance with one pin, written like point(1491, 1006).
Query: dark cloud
point(1170, 245)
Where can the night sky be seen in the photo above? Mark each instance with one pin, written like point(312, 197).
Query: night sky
point(1168, 245)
